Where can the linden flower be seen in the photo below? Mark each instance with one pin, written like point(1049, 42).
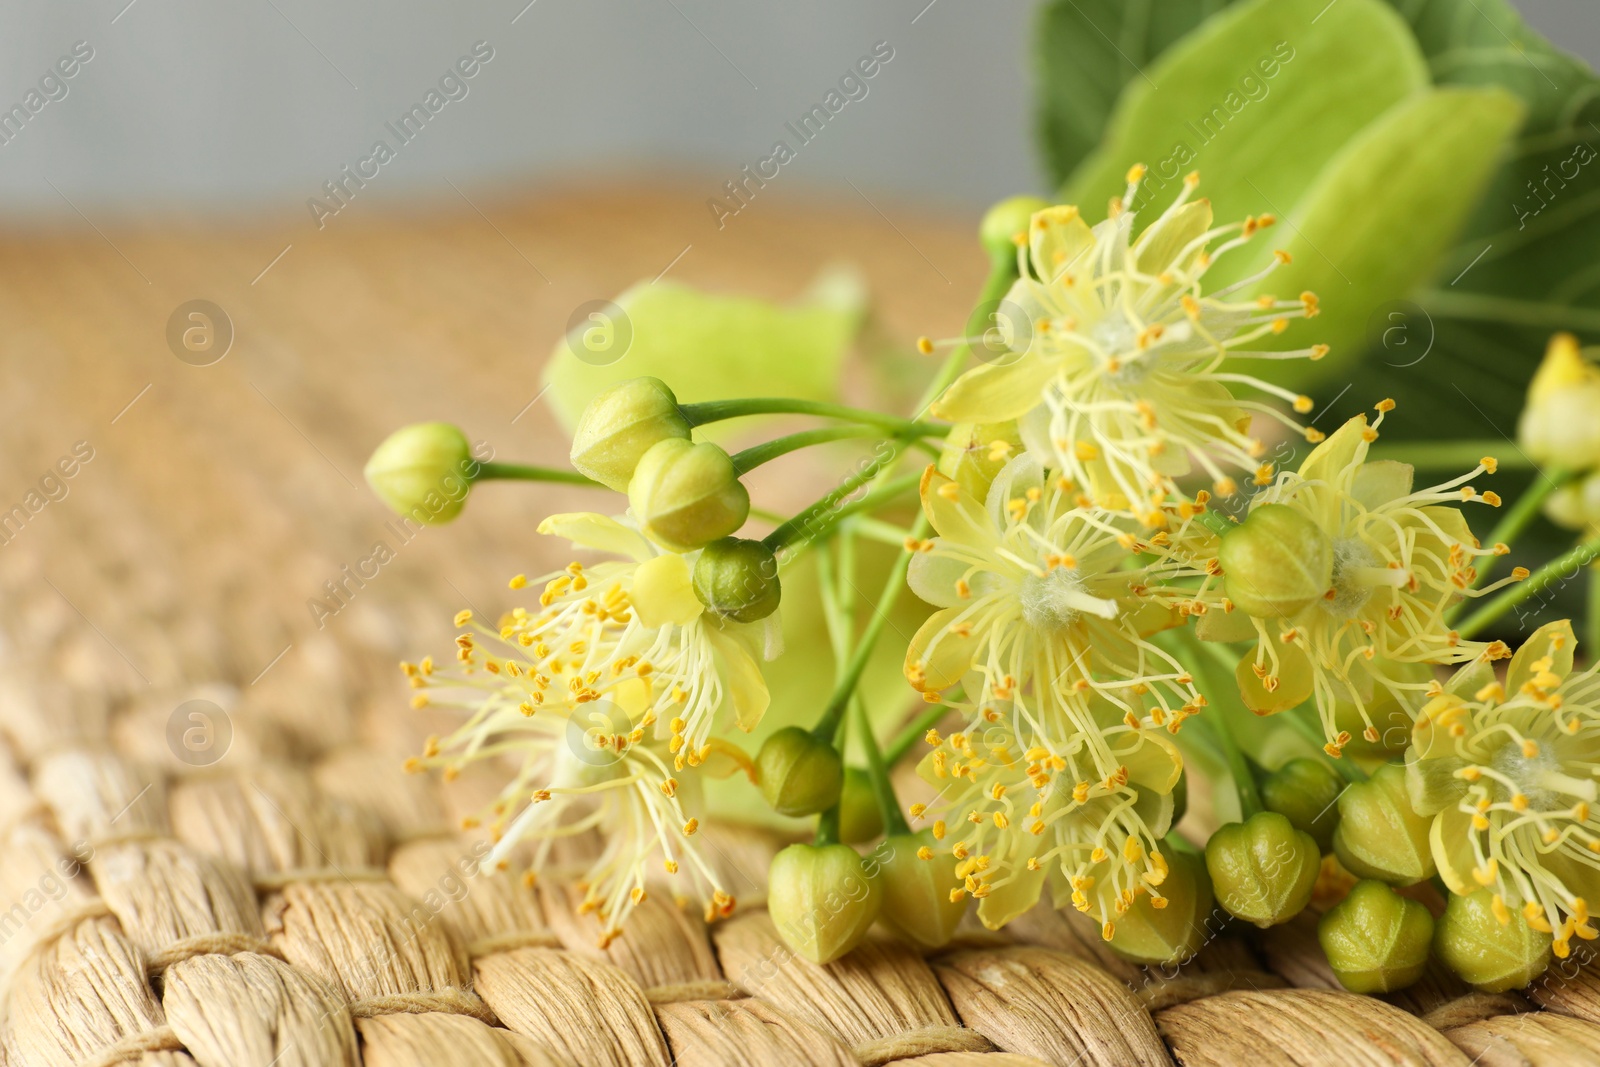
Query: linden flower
point(1039, 608)
point(1358, 614)
point(1119, 365)
point(1063, 767)
point(608, 689)
point(1508, 773)
point(1086, 812)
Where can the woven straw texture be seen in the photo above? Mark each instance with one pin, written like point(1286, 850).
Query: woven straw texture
point(273, 890)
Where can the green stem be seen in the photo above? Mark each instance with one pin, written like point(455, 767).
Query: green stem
point(829, 723)
point(522, 472)
point(918, 728)
point(1448, 455)
point(1002, 272)
point(827, 828)
point(1523, 512)
point(753, 457)
point(1591, 622)
point(894, 820)
point(1238, 769)
point(816, 520)
point(718, 410)
point(1537, 582)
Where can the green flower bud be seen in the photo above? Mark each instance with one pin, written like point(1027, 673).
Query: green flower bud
point(423, 472)
point(822, 899)
point(1263, 869)
point(800, 773)
point(918, 878)
point(1276, 563)
point(1489, 955)
point(1180, 927)
point(1004, 221)
point(1305, 791)
point(687, 495)
point(738, 579)
point(1379, 834)
point(1375, 939)
point(860, 818)
point(620, 425)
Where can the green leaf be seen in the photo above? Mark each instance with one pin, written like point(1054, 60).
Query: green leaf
point(708, 346)
point(1085, 51)
point(1526, 265)
point(1390, 203)
point(1258, 99)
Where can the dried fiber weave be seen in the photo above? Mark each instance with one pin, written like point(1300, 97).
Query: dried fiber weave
point(300, 901)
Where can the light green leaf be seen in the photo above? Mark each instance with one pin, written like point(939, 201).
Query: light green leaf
point(1258, 99)
point(1387, 207)
point(1526, 265)
point(1084, 52)
point(708, 346)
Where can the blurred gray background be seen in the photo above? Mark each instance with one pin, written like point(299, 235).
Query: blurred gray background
point(248, 106)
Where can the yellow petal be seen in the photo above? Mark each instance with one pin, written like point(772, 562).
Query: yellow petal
point(1562, 368)
point(938, 656)
point(1058, 242)
point(1159, 245)
point(747, 688)
point(603, 533)
point(663, 592)
point(997, 391)
point(1554, 640)
point(1450, 841)
point(1294, 681)
point(955, 514)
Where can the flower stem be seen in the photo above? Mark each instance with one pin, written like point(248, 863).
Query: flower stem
point(718, 410)
point(522, 472)
point(1244, 782)
point(1537, 582)
point(1448, 455)
point(816, 520)
point(1591, 622)
point(1523, 512)
point(748, 460)
point(869, 639)
point(915, 731)
point(894, 821)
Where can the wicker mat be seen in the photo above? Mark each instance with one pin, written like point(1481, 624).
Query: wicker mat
point(208, 854)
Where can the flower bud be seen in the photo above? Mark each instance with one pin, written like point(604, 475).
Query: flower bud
point(620, 425)
point(1375, 939)
point(1576, 505)
point(1276, 563)
point(1263, 869)
point(1490, 955)
point(860, 818)
point(917, 892)
point(822, 899)
point(687, 495)
point(800, 773)
point(738, 579)
point(1304, 791)
point(1179, 928)
point(1002, 222)
point(423, 472)
point(1560, 423)
point(1379, 834)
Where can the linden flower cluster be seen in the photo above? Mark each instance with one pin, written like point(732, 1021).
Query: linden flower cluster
point(600, 698)
point(1343, 574)
point(1508, 773)
point(1122, 367)
point(1063, 767)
